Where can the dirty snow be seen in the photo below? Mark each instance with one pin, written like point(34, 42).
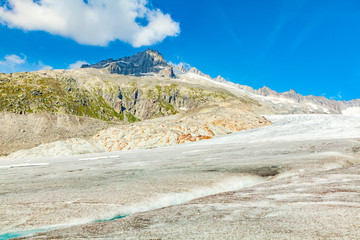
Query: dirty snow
point(293, 155)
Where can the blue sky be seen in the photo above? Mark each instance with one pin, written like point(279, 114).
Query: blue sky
point(311, 46)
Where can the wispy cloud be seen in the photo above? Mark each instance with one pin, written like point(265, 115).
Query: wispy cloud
point(16, 63)
point(227, 23)
point(13, 60)
point(42, 66)
point(77, 64)
point(288, 11)
point(313, 22)
point(303, 34)
point(92, 22)
point(180, 64)
point(338, 97)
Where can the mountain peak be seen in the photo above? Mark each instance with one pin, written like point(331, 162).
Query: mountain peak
point(220, 79)
point(182, 68)
point(198, 72)
point(154, 54)
point(149, 61)
point(291, 92)
point(152, 51)
point(265, 91)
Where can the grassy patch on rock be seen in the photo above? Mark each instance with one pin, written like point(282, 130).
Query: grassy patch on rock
point(132, 101)
point(34, 93)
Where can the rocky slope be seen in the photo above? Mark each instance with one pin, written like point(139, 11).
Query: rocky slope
point(289, 102)
point(37, 92)
point(206, 124)
point(199, 124)
point(316, 103)
point(99, 94)
point(143, 87)
point(26, 131)
point(140, 87)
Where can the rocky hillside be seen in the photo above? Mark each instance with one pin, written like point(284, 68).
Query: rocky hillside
point(37, 92)
point(289, 102)
point(331, 104)
point(50, 105)
point(195, 125)
point(139, 88)
point(30, 130)
point(103, 97)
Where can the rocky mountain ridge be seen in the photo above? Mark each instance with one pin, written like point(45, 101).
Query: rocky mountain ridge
point(333, 106)
point(62, 91)
point(149, 61)
point(152, 62)
point(145, 87)
point(102, 96)
point(94, 93)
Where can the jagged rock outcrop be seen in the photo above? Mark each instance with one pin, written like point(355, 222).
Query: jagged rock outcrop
point(265, 91)
point(198, 72)
point(182, 68)
point(140, 63)
point(220, 79)
point(167, 72)
point(305, 104)
point(148, 102)
point(320, 103)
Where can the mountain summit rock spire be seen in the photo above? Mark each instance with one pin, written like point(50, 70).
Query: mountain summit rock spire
point(149, 61)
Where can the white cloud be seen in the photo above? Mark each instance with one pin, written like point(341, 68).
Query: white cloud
point(15, 63)
point(13, 60)
point(42, 66)
point(97, 22)
point(77, 64)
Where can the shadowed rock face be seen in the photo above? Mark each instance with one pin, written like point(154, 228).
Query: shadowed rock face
point(167, 72)
point(149, 61)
